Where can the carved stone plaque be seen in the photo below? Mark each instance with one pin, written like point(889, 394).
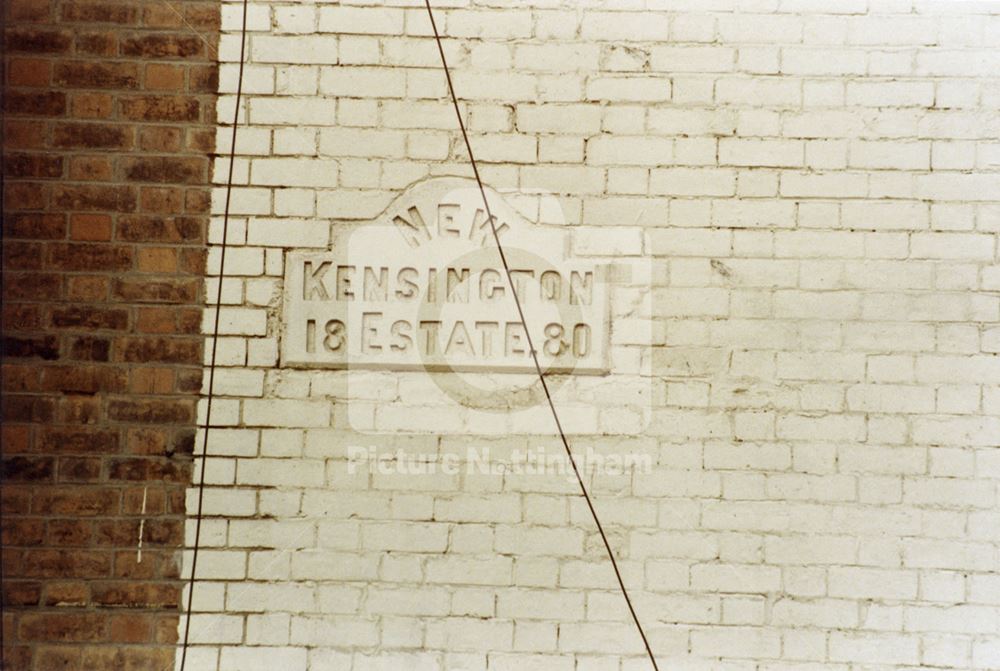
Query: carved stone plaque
point(422, 287)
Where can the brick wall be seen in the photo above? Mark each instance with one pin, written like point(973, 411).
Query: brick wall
point(815, 188)
point(109, 111)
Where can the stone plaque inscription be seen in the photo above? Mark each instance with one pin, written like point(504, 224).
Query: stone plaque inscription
point(423, 288)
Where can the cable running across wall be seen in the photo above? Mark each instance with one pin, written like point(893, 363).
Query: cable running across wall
point(531, 346)
point(215, 342)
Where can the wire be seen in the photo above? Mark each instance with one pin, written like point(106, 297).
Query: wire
point(215, 342)
point(531, 347)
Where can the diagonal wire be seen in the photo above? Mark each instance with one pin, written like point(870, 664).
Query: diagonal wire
point(531, 347)
point(215, 343)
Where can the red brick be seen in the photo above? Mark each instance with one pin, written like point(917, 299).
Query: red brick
point(158, 290)
point(161, 229)
point(91, 197)
point(193, 260)
point(160, 139)
point(203, 79)
point(167, 169)
point(97, 44)
point(66, 627)
point(25, 195)
point(160, 76)
point(24, 532)
point(67, 195)
point(156, 320)
point(24, 134)
point(16, 500)
point(84, 379)
point(29, 72)
point(28, 11)
point(19, 255)
point(147, 441)
point(202, 16)
point(97, 75)
point(165, 199)
point(20, 316)
point(30, 286)
point(161, 16)
point(129, 658)
point(139, 469)
point(160, 108)
point(90, 227)
point(90, 317)
point(79, 469)
point(88, 288)
point(28, 469)
point(70, 532)
point(88, 256)
point(81, 11)
point(90, 168)
point(57, 564)
point(76, 501)
point(149, 411)
point(34, 226)
point(18, 377)
point(22, 593)
point(135, 596)
point(78, 440)
point(172, 45)
point(189, 381)
point(89, 348)
point(200, 141)
point(92, 105)
point(49, 103)
point(17, 656)
point(15, 438)
point(131, 628)
point(67, 593)
point(92, 135)
point(38, 41)
point(156, 259)
point(18, 408)
point(31, 347)
point(44, 166)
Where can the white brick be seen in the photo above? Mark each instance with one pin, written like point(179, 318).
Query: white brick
point(361, 20)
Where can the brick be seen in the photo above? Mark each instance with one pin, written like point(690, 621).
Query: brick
point(150, 411)
point(85, 256)
point(36, 166)
point(35, 226)
point(51, 103)
point(162, 350)
point(92, 105)
point(81, 74)
point(95, 198)
point(31, 72)
point(38, 41)
point(97, 44)
point(629, 89)
point(99, 12)
point(90, 168)
point(64, 627)
point(160, 229)
point(92, 136)
point(170, 45)
point(776, 153)
point(175, 170)
point(41, 347)
point(160, 108)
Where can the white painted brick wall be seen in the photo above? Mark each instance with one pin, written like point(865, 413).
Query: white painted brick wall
point(816, 186)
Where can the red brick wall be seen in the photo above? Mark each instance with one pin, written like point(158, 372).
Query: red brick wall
point(109, 110)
